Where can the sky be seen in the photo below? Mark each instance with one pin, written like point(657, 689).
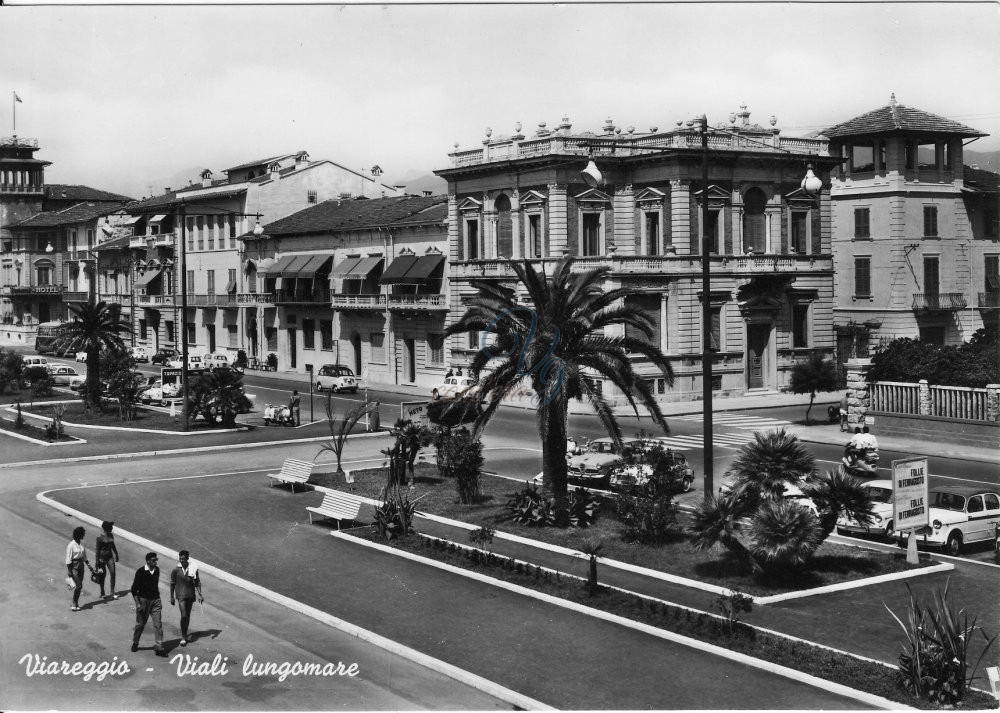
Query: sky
point(120, 97)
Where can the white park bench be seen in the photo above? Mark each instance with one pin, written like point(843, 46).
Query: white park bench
point(337, 506)
point(293, 471)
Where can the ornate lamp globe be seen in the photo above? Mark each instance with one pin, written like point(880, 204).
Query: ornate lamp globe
point(811, 184)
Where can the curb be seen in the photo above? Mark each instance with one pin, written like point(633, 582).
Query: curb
point(792, 674)
point(174, 451)
point(470, 679)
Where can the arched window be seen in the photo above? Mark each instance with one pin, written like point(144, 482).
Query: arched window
point(754, 221)
point(44, 272)
point(505, 229)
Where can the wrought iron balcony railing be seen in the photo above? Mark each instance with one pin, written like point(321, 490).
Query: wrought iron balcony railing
point(418, 302)
point(989, 300)
point(357, 301)
point(941, 302)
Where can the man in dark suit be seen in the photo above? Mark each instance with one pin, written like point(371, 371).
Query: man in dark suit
point(146, 594)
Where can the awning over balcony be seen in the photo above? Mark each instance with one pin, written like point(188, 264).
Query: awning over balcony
point(147, 278)
point(129, 220)
point(425, 267)
point(344, 268)
point(364, 268)
point(317, 265)
point(287, 265)
point(157, 219)
point(231, 287)
point(397, 269)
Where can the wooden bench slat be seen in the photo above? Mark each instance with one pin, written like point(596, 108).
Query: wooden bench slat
point(337, 506)
point(293, 471)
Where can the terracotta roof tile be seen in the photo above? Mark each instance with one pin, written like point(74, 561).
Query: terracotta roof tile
point(79, 213)
point(896, 117)
point(357, 213)
point(58, 191)
point(981, 180)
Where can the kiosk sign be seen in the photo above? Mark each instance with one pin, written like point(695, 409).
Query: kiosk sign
point(909, 493)
point(415, 411)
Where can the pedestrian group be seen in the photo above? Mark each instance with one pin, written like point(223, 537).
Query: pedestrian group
point(185, 583)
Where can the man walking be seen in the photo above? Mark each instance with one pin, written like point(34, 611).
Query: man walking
point(146, 593)
point(185, 583)
point(293, 407)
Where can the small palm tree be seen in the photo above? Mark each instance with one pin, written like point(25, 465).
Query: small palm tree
point(341, 429)
point(815, 374)
point(557, 343)
point(218, 395)
point(95, 327)
point(753, 520)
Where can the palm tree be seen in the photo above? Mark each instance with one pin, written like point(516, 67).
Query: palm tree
point(816, 374)
point(95, 327)
point(557, 344)
point(754, 521)
point(218, 395)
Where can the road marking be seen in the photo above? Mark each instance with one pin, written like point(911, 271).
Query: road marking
point(739, 421)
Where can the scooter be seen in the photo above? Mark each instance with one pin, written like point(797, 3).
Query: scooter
point(278, 415)
point(860, 462)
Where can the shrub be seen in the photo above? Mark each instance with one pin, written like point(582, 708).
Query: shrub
point(11, 368)
point(272, 361)
point(732, 605)
point(41, 382)
point(530, 508)
point(974, 364)
point(934, 666)
point(583, 507)
point(19, 419)
point(482, 537)
point(460, 456)
point(648, 516)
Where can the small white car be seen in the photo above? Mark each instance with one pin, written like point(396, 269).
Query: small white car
point(63, 375)
point(452, 387)
point(138, 353)
point(81, 356)
point(160, 393)
point(194, 362)
point(880, 492)
point(959, 516)
point(217, 359)
point(336, 378)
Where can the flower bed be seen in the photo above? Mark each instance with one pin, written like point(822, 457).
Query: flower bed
point(32, 431)
point(832, 564)
point(856, 673)
point(144, 417)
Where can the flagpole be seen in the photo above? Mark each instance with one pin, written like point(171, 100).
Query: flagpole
point(13, 106)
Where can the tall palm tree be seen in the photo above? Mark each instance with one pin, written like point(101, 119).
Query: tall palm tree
point(95, 327)
point(754, 521)
point(556, 342)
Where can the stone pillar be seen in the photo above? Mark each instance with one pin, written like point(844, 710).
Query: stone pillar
point(624, 220)
point(858, 395)
point(925, 398)
point(680, 216)
point(993, 402)
point(558, 230)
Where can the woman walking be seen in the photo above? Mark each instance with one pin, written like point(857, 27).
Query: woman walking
point(76, 557)
point(107, 555)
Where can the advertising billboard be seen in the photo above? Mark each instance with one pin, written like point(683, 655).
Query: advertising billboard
point(909, 493)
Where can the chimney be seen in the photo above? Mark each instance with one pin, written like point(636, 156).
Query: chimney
point(301, 159)
point(206, 178)
point(167, 189)
point(275, 168)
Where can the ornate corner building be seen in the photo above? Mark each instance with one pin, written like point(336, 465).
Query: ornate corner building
point(772, 271)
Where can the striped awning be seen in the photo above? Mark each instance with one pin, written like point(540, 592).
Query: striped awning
point(364, 268)
point(397, 269)
point(344, 268)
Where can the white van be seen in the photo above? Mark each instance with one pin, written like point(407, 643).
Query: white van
point(35, 361)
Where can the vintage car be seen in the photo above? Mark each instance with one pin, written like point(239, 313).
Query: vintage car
point(959, 516)
point(453, 387)
point(221, 360)
point(336, 378)
point(880, 492)
point(63, 375)
point(632, 478)
point(592, 468)
point(194, 362)
point(160, 393)
point(139, 353)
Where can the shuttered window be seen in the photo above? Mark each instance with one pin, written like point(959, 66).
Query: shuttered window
point(649, 305)
point(862, 277)
point(993, 273)
point(326, 334)
point(932, 275)
point(930, 221)
point(862, 225)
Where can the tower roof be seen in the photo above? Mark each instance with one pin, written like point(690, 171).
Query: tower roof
point(895, 117)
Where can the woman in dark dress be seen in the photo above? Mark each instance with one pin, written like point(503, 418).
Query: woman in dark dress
point(107, 555)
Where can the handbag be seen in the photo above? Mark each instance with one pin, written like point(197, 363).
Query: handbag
point(97, 574)
point(70, 584)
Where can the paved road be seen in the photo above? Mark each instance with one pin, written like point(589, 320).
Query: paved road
point(496, 634)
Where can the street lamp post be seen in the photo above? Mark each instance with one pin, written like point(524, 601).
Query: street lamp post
point(706, 317)
point(183, 319)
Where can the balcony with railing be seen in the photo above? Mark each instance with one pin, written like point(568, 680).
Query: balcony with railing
point(358, 302)
point(511, 149)
point(77, 296)
point(21, 188)
point(304, 297)
point(137, 241)
point(989, 300)
point(211, 300)
point(418, 302)
point(689, 265)
point(249, 299)
point(942, 302)
point(156, 300)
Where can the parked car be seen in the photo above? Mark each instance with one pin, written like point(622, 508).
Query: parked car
point(452, 387)
point(636, 477)
point(194, 362)
point(218, 359)
point(63, 375)
point(959, 516)
point(880, 492)
point(35, 361)
point(593, 467)
point(140, 354)
point(162, 356)
point(337, 378)
point(81, 356)
point(160, 393)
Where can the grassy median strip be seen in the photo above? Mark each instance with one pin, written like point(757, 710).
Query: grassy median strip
point(856, 673)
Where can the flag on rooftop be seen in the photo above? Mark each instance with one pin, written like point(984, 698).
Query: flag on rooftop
point(17, 98)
